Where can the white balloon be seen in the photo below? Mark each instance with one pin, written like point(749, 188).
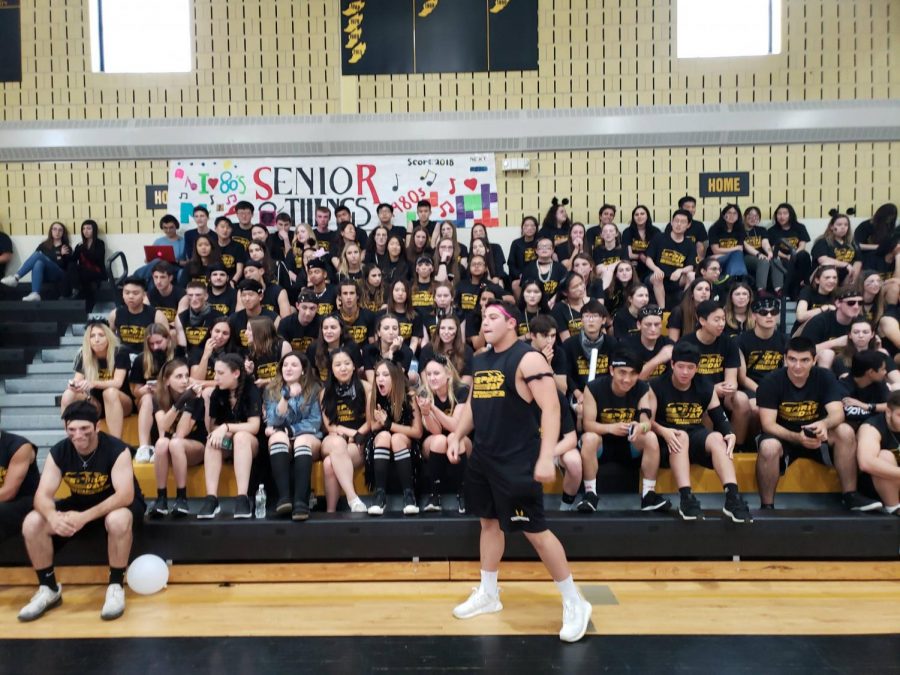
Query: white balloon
point(148, 574)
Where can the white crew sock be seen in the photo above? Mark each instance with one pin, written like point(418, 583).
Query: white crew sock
point(568, 589)
point(489, 582)
point(647, 486)
point(590, 486)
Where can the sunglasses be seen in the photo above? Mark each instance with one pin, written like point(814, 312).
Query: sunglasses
point(767, 312)
point(852, 303)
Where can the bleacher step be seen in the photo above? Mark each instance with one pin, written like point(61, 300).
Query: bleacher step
point(16, 401)
point(61, 355)
point(51, 368)
point(71, 340)
point(37, 384)
point(26, 419)
point(42, 438)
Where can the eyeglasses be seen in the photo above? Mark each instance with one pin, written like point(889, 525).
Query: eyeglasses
point(852, 303)
point(767, 312)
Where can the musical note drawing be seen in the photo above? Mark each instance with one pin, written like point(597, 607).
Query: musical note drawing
point(452, 186)
point(190, 184)
point(448, 209)
point(354, 23)
point(499, 6)
point(353, 39)
point(354, 8)
point(232, 199)
point(428, 7)
point(428, 177)
point(358, 52)
point(183, 195)
point(396, 183)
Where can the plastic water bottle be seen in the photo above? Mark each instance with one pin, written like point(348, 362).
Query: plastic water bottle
point(260, 503)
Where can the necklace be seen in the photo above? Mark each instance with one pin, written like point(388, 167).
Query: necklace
point(85, 462)
point(544, 278)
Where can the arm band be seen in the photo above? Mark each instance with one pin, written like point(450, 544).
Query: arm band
point(720, 422)
point(645, 411)
point(538, 376)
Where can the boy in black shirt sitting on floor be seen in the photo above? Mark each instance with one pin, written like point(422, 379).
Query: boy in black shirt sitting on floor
point(879, 450)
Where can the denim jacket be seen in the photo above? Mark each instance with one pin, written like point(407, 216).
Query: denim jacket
point(302, 417)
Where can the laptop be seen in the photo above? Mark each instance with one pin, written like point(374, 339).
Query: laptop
point(166, 253)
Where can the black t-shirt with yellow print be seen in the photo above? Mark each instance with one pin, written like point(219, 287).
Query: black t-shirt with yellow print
point(89, 478)
point(682, 410)
point(715, 358)
point(798, 406)
point(132, 328)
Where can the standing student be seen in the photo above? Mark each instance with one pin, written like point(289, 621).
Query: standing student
point(233, 417)
point(293, 427)
point(514, 414)
point(104, 495)
point(396, 426)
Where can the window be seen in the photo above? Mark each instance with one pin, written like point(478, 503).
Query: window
point(140, 36)
point(710, 28)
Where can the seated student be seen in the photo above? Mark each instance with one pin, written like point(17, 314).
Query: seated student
point(394, 265)
point(624, 277)
point(274, 298)
point(443, 306)
point(251, 293)
point(324, 293)
point(758, 253)
point(19, 481)
point(521, 251)
point(494, 254)
point(696, 232)
point(409, 320)
point(544, 268)
point(301, 328)
point(169, 225)
point(543, 339)
point(532, 302)
point(573, 245)
point(49, 261)
point(293, 427)
point(441, 397)
point(219, 343)
point(88, 266)
point(422, 288)
point(104, 493)
point(681, 401)
point(192, 325)
point(223, 297)
point(671, 257)
point(593, 238)
point(828, 331)
point(637, 237)
point(388, 346)
point(279, 243)
point(448, 342)
point(762, 349)
point(836, 247)
point(264, 351)
point(578, 350)
point(789, 238)
point(818, 297)
point(131, 320)
point(101, 374)
point(350, 265)
point(625, 321)
point(396, 426)
point(738, 317)
point(243, 210)
point(710, 270)
point(726, 241)
point(864, 390)
point(358, 321)
point(234, 255)
point(584, 267)
point(878, 451)
point(609, 252)
point(570, 300)
point(332, 336)
point(480, 248)
point(862, 337)
point(800, 409)
point(164, 295)
point(720, 360)
point(205, 255)
point(649, 346)
point(419, 247)
point(343, 403)
point(159, 347)
point(180, 417)
point(683, 318)
point(233, 422)
point(618, 409)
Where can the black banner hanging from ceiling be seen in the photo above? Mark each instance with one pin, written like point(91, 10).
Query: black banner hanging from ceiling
point(10, 41)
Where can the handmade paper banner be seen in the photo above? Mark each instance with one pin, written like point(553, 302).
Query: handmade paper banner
point(461, 188)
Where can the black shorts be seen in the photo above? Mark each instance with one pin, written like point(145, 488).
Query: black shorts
point(137, 508)
point(12, 514)
point(505, 492)
point(696, 449)
point(792, 451)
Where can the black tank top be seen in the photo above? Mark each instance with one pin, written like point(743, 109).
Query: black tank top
point(889, 439)
point(350, 410)
point(132, 328)
point(196, 335)
point(9, 444)
point(89, 478)
point(505, 424)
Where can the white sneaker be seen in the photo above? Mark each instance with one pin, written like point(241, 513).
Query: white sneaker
point(114, 607)
point(144, 454)
point(40, 602)
point(892, 510)
point(10, 280)
point(576, 617)
point(32, 297)
point(375, 510)
point(566, 507)
point(479, 602)
point(358, 506)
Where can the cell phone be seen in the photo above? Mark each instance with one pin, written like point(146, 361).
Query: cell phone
point(809, 433)
point(151, 383)
point(631, 428)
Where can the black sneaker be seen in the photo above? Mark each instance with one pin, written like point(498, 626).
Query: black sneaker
point(242, 507)
point(461, 503)
point(300, 510)
point(410, 505)
point(434, 503)
point(588, 503)
point(853, 501)
point(654, 502)
point(379, 503)
point(689, 508)
point(210, 508)
point(284, 506)
point(160, 508)
point(181, 507)
point(737, 509)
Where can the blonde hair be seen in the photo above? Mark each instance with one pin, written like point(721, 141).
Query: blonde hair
point(89, 365)
point(453, 383)
point(147, 361)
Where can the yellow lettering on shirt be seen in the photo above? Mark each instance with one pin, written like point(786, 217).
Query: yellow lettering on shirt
point(467, 301)
point(423, 299)
point(711, 364)
point(267, 370)
point(671, 258)
point(358, 333)
point(530, 255)
point(196, 336)
point(325, 308)
point(616, 415)
point(584, 366)
point(132, 335)
point(86, 483)
point(764, 360)
point(799, 411)
point(301, 344)
point(679, 414)
point(489, 384)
